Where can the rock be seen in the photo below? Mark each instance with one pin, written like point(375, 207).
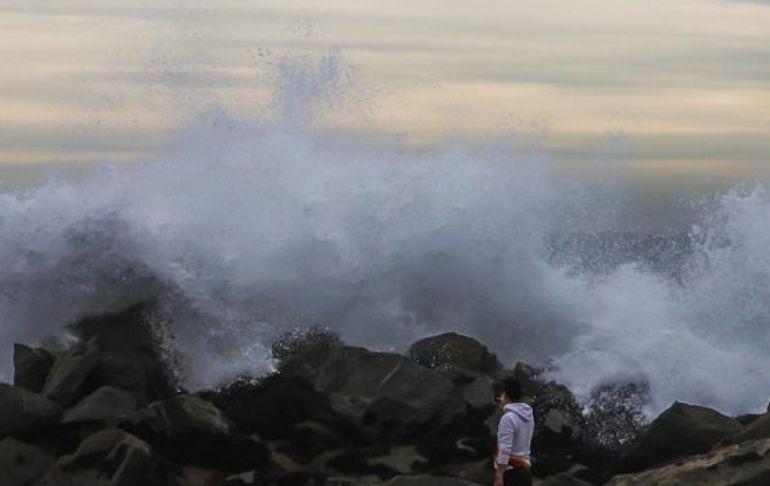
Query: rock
point(451, 351)
point(681, 430)
point(304, 341)
point(759, 428)
point(308, 439)
point(273, 406)
point(426, 480)
point(24, 412)
point(31, 367)
point(68, 380)
point(356, 378)
point(564, 479)
point(479, 392)
point(130, 356)
point(191, 430)
point(111, 458)
point(103, 404)
point(21, 464)
point(559, 425)
point(146, 377)
point(129, 329)
point(197, 476)
point(402, 459)
point(746, 464)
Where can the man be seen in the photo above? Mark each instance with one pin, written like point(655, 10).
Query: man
point(514, 436)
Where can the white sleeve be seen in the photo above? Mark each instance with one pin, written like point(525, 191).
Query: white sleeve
point(504, 439)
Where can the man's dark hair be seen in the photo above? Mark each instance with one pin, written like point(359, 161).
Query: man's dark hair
point(511, 386)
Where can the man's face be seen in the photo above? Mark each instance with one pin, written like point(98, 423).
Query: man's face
point(501, 399)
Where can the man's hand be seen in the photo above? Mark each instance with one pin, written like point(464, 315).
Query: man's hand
point(498, 481)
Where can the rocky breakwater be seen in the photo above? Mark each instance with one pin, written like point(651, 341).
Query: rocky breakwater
point(107, 411)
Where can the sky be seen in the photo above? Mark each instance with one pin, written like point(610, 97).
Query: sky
point(674, 88)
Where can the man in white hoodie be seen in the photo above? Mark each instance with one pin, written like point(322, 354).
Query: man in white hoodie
point(514, 436)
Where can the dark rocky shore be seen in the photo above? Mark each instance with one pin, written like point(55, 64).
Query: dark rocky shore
point(107, 411)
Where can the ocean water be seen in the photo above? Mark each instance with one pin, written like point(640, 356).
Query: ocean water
point(251, 227)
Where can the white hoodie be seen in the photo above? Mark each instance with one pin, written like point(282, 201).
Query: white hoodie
point(514, 433)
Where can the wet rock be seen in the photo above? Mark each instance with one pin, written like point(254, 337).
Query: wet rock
point(308, 439)
point(304, 341)
point(111, 458)
point(759, 428)
point(68, 380)
point(25, 413)
point(559, 427)
point(273, 406)
point(746, 464)
point(451, 351)
point(681, 430)
point(425, 480)
point(564, 479)
point(129, 352)
point(21, 464)
point(193, 431)
point(31, 367)
point(358, 377)
point(146, 377)
point(128, 329)
point(104, 404)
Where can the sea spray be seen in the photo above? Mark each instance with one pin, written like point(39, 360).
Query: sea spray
point(253, 227)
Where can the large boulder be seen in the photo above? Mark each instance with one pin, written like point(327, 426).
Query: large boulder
point(130, 355)
point(68, 380)
point(454, 352)
point(681, 430)
point(145, 376)
point(102, 405)
point(31, 367)
point(21, 464)
point(191, 430)
point(111, 458)
point(759, 428)
point(746, 464)
point(273, 406)
point(366, 386)
point(25, 413)
point(559, 439)
point(425, 480)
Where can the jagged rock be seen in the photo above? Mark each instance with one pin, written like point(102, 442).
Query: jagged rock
point(198, 476)
point(191, 430)
point(130, 355)
point(31, 367)
point(111, 458)
point(304, 341)
point(67, 381)
point(24, 412)
point(564, 479)
point(145, 376)
point(355, 378)
point(759, 428)
point(308, 439)
point(746, 464)
point(451, 351)
point(21, 464)
point(559, 423)
point(425, 480)
point(402, 459)
point(479, 392)
point(681, 430)
point(129, 329)
point(272, 407)
point(103, 404)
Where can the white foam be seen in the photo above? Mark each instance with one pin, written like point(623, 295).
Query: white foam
point(255, 226)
